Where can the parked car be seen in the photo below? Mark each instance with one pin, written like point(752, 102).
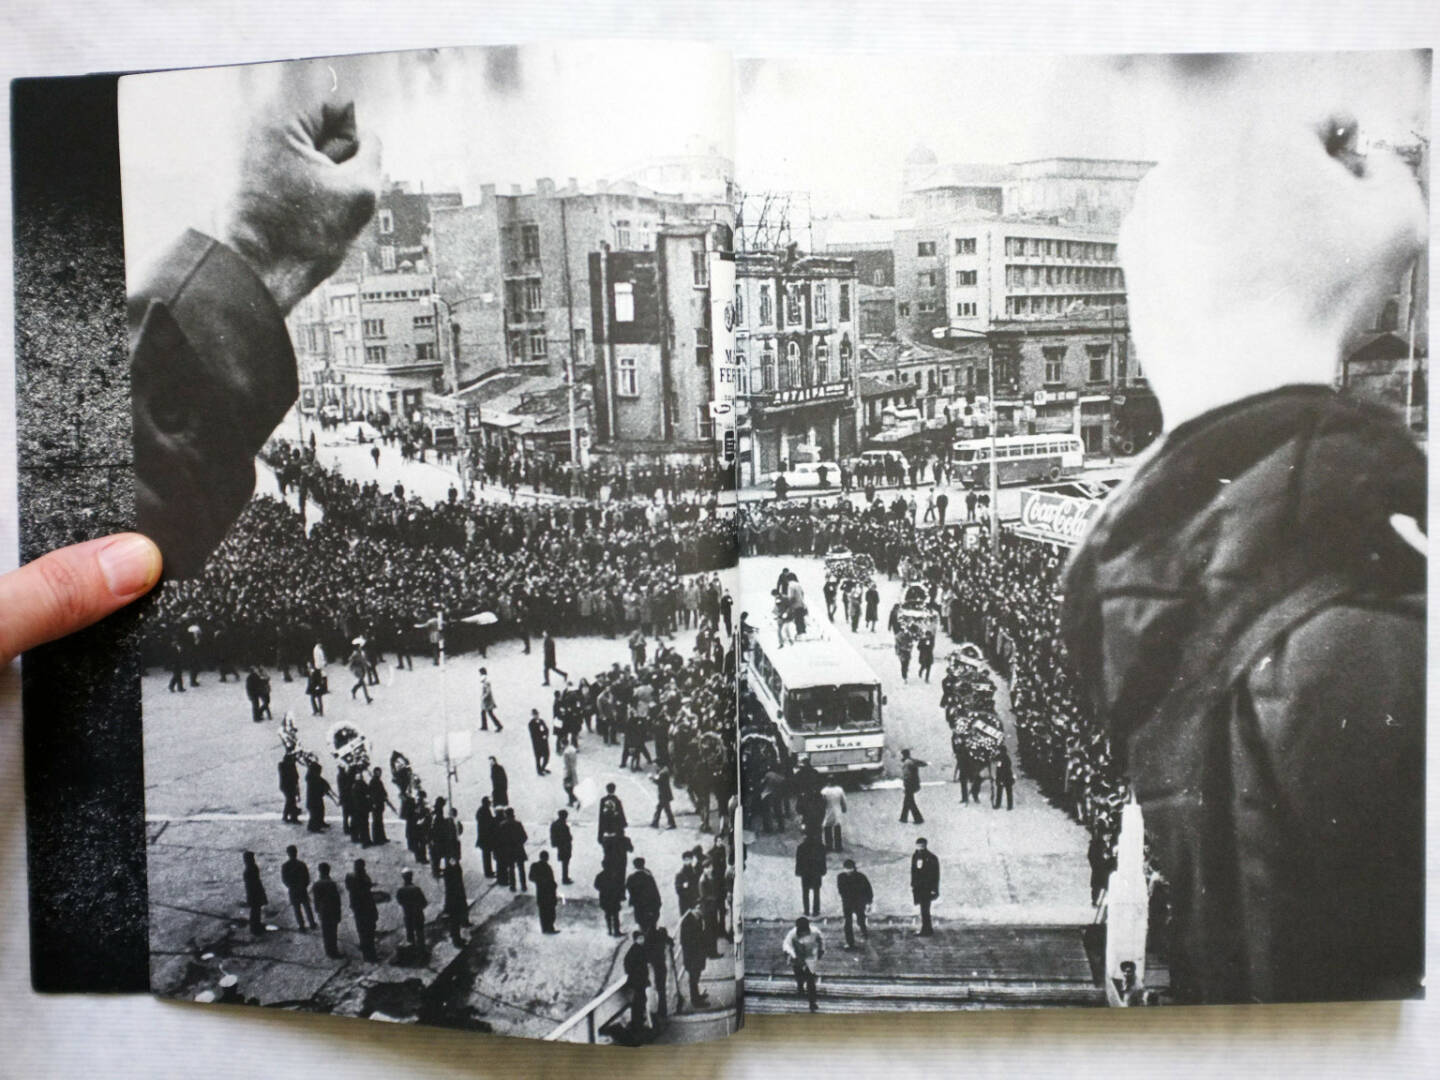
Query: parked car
point(808, 474)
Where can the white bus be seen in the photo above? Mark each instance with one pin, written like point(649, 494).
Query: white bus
point(1021, 459)
point(822, 699)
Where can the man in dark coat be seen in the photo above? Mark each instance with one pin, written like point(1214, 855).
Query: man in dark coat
point(412, 903)
point(657, 950)
point(542, 876)
point(379, 802)
point(548, 650)
point(362, 906)
point(855, 896)
point(326, 894)
point(295, 876)
point(910, 780)
point(610, 886)
point(485, 835)
point(810, 869)
point(694, 954)
point(637, 981)
point(499, 785)
point(457, 904)
point(687, 883)
point(609, 815)
point(513, 836)
point(539, 742)
point(289, 770)
point(664, 796)
point(255, 898)
point(644, 896)
point(1247, 612)
point(563, 843)
point(924, 882)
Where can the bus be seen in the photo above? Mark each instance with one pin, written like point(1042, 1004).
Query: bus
point(1022, 459)
point(818, 697)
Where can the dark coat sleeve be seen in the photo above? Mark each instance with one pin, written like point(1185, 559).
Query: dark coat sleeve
point(213, 373)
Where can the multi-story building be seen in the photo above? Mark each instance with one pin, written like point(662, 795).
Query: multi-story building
point(870, 242)
point(796, 338)
point(512, 271)
point(396, 239)
point(656, 370)
point(382, 343)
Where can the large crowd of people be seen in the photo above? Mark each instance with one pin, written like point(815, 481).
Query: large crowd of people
point(1008, 605)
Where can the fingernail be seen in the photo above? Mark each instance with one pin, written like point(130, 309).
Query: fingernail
point(130, 564)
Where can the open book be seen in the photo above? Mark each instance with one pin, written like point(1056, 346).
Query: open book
point(619, 504)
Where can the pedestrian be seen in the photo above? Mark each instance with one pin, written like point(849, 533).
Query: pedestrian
point(644, 896)
point(835, 810)
point(658, 944)
point(563, 843)
point(326, 894)
point(488, 715)
point(379, 803)
point(539, 742)
point(1004, 780)
point(637, 982)
point(316, 687)
point(610, 816)
point(513, 836)
point(970, 502)
point(457, 904)
point(255, 897)
point(542, 876)
point(1102, 863)
point(257, 689)
point(810, 868)
point(664, 796)
point(295, 876)
point(610, 886)
point(872, 607)
point(440, 838)
point(903, 645)
point(924, 882)
point(570, 777)
point(925, 653)
point(317, 790)
point(830, 591)
point(941, 502)
point(362, 907)
point(855, 896)
point(548, 651)
point(289, 770)
point(910, 779)
point(805, 946)
point(375, 454)
point(412, 903)
point(687, 882)
point(499, 785)
point(356, 664)
point(359, 790)
point(485, 835)
point(694, 954)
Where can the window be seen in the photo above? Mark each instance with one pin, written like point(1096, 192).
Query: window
point(965, 245)
point(622, 235)
point(792, 366)
point(965, 309)
point(1099, 356)
point(925, 279)
point(945, 376)
point(704, 422)
point(517, 347)
point(1138, 372)
point(374, 327)
point(926, 307)
point(629, 384)
point(845, 302)
point(530, 241)
point(966, 277)
point(537, 345)
point(767, 366)
point(700, 268)
point(739, 304)
point(767, 306)
point(386, 221)
point(342, 305)
point(845, 356)
point(794, 305)
point(1054, 363)
point(820, 301)
point(577, 343)
point(534, 297)
point(878, 277)
point(925, 248)
point(624, 301)
point(424, 350)
point(822, 362)
point(903, 308)
point(387, 258)
point(352, 354)
point(424, 322)
point(375, 354)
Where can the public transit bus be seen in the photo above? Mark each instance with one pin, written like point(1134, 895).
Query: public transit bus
point(1021, 459)
point(820, 699)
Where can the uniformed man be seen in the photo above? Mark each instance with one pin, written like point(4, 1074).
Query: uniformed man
point(295, 876)
point(326, 894)
point(924, 882)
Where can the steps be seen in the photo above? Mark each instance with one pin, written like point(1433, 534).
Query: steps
point(850, 994)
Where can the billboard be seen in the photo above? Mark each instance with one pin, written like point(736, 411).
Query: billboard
point(1054, 518)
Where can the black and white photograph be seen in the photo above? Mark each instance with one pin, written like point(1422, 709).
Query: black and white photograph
point(1083, 488)
point(434, 427)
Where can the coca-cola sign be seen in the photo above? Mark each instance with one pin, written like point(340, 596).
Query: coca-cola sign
point(1060, 519)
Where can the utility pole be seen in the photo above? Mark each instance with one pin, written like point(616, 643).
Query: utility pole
point(444, 708)
point(994, 473)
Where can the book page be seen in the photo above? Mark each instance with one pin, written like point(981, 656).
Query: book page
point(1039, 707)
point(439, 698)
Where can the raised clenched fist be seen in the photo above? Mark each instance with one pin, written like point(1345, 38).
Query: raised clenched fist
point(307, 185)
point(1259, 248)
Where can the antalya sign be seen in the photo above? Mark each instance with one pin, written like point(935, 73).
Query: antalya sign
point(1055, 519)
